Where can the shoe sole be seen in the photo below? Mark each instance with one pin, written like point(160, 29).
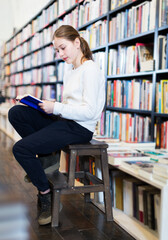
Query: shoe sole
point(44, 221)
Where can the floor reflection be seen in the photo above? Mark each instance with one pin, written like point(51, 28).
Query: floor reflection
point(6, 141)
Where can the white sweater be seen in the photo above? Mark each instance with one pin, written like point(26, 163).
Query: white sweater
point(83, 95)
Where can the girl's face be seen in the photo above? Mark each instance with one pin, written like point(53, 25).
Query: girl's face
point(67, 50)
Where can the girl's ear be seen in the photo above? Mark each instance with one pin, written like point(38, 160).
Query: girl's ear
point(77, 43)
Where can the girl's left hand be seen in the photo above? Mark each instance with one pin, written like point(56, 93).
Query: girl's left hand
point(47, 106)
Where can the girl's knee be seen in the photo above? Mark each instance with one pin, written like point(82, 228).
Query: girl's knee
point(17, 148)
point(13, 113)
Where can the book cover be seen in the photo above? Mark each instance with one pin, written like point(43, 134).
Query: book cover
point(145, 55)
point(157, 203)
point(146, 170)
point(118, 158)
point(30, 101)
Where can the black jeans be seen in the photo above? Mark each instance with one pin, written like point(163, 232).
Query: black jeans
point(42, 134)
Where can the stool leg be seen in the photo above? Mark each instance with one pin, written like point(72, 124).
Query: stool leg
point(55, 208)
point(105, 176)
point(86, 181)
point(72, 165)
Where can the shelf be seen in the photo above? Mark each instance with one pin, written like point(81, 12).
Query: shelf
point(98, 48)
point(133, 227)
point(125, 6)
point(132, 38)
point(129, 110)
point(152, 182)
point(162, 115)
point(92, 21)
point(162, 71)
point(136, 74)
point(163, 29)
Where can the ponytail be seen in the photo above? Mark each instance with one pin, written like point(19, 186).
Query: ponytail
point(87, 54)
point(70, 33)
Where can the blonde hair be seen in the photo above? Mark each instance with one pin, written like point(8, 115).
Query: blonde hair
point(69, 33)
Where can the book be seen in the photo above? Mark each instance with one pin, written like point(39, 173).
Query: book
point(135, 165)
point(145, 56)
point(146, 171)
point(30, 101)
point(140, 145)
point(118, 158)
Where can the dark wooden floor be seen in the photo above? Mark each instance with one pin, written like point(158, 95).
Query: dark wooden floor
point(78, 220)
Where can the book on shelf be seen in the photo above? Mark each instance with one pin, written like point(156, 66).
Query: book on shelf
point(148, 204)
point(158, 156)
point(145, 56)
point(140, 145)
point(146, 171)
point(130, 196)
point(117, 158)
point(30, 101)
point(162, 51)
point(142, 168)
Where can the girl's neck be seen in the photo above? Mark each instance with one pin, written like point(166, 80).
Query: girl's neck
point(78, 61)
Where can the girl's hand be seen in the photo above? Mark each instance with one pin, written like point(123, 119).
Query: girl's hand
point(47, 106)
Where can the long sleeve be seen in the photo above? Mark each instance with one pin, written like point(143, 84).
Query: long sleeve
point(84, 95)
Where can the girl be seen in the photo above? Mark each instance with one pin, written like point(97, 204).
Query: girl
point(72, 121)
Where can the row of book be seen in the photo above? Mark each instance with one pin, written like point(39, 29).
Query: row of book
point(95, 34)
point(46, 92)
point(161, 134)
point(12, 92)
point(161, 96)
point(92, 10)
point(141, 54)
point(135, 94)
point(127, 127)
point(130, 59)
point(37, 75)
point(117, 3)
point(136, 20)
point(37, 58)
point(137, 199)
point(38, 40)
point(47, 15)
point(45, 74)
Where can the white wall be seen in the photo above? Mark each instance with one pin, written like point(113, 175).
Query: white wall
point(16, 13)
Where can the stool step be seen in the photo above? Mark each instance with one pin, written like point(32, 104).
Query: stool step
point(57, 180)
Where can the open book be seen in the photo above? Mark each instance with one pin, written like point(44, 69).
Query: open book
point(31, 101)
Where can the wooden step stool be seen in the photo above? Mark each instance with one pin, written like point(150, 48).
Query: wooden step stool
point(60, 184)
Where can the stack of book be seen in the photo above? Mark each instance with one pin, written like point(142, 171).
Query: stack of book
point(117, 158)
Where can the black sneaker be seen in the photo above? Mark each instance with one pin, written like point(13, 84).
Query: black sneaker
point(44, 200)
point(49, 163)
point(44, 207)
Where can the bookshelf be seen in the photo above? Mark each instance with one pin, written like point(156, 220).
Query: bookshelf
point(30, 65)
